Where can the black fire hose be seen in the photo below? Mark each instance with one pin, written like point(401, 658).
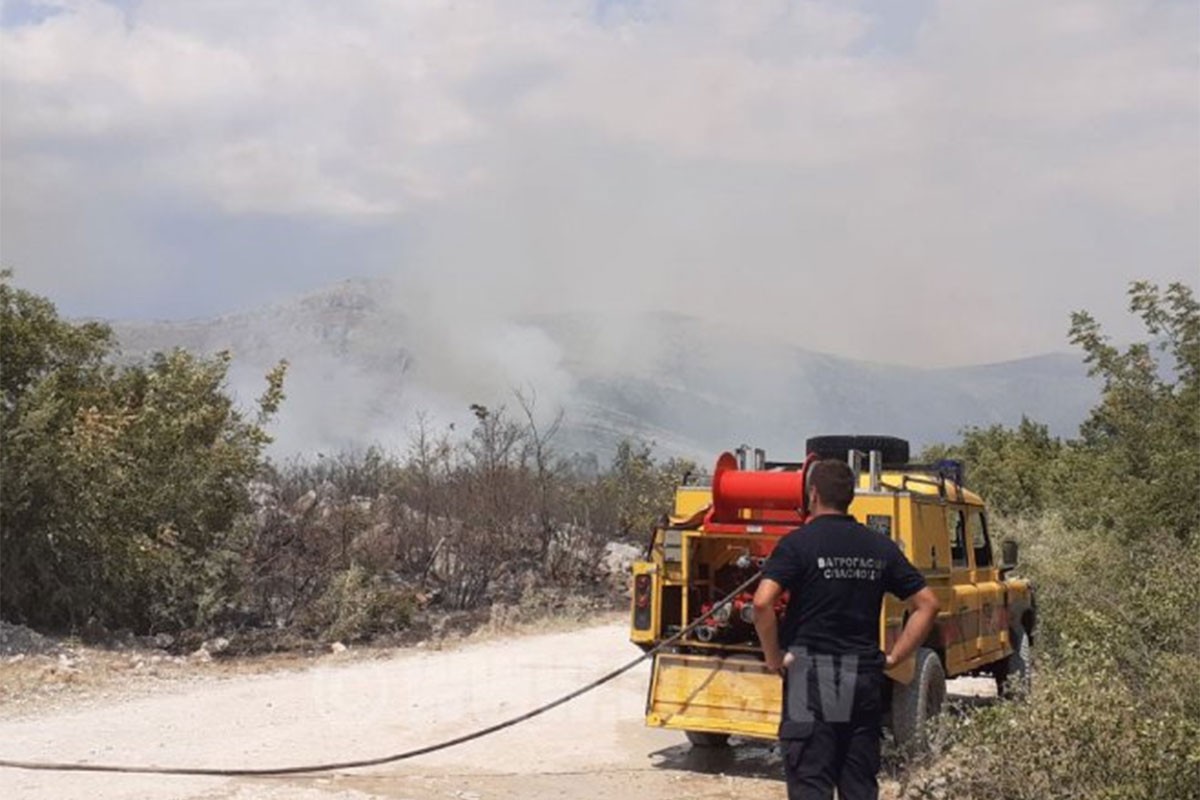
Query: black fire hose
point(49, 766)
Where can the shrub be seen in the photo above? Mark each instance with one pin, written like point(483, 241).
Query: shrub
point(122, 486)
point(1086, 731)
point(1115, 706)
point(357, 605)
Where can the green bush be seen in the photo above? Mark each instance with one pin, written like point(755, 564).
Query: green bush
point(1115, 706)
point(122, 486)
point(358, 605)
point(1092, 587)
point(1084, 732)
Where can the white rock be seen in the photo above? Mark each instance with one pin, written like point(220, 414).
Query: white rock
point(305, 503)
point(215, 646)
point(619, 557)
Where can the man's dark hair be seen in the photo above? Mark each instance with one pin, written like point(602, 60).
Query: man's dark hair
point(834, 481)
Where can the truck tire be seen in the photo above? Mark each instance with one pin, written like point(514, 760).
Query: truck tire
point(913, 705)
point(893, 449)
point(706, 739)
point(1015, 678)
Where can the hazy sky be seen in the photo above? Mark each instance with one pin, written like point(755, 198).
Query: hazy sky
point(926, 182)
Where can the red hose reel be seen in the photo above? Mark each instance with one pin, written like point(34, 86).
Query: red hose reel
point(757, 501)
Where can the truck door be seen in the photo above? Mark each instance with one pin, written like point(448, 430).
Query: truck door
point(993, 619)
point(965, 604)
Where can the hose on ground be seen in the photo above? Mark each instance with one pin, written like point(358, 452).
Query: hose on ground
point(50, 766)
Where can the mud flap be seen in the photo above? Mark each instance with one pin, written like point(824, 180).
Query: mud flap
point(715, 694)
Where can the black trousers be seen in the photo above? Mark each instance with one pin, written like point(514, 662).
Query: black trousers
point(831, 734)
point(837, 754)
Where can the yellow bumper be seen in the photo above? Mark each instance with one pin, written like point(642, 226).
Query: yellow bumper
point(716, 694)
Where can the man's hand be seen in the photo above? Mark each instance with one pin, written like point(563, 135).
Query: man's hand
point(923, 607)
point(779, 662)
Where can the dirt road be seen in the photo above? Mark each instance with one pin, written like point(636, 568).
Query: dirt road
point(596, 746)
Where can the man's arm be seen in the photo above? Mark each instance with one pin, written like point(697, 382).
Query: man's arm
point(765, 623)
point(923, 607)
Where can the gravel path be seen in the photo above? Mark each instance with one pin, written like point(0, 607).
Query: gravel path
point(595, 746)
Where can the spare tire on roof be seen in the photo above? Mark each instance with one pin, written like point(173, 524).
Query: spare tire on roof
point(893, 449)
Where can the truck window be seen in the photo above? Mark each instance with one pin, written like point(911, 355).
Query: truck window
point(980, 543)
point(958, 537)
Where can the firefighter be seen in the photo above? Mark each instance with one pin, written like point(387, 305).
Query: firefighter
point(835, 571)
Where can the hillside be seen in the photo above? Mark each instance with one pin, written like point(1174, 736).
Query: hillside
point(365, 360)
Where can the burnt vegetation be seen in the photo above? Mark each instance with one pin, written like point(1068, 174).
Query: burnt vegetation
point(140, 498)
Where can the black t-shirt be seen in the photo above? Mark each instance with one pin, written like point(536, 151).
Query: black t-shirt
point(836, 571)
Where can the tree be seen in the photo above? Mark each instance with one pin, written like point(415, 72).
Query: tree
point(1013, 468)
point(36, 343)
point(1134, 469)
point(637, 489)
point(1138, 457)
point(540, 441)
point(122, 487)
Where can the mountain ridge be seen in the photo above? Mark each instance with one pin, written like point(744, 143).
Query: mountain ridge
point(365, 360)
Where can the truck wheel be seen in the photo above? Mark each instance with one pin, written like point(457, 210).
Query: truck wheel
point(893, 449)
point(914, 704)
point(1015, 678)
point(706, 739)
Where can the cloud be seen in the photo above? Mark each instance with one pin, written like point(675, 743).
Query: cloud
point(930, 190)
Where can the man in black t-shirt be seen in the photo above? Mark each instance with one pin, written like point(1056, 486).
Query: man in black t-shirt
point(836, 572)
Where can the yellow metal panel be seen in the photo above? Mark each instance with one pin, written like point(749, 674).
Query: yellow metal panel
point(691, 499)
point(891, 622)
point(866, 504)
point(965, 608)
point(931, 541)
point(716, 694)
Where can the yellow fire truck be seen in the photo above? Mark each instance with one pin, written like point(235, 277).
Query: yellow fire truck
point(713, 682)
